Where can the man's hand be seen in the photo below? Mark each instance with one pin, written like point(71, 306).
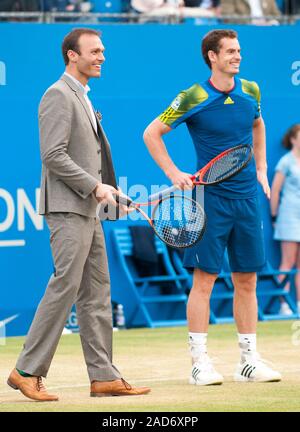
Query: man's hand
point(181, 179)
point(106, 193)
point(123, 209)
point(263, 180)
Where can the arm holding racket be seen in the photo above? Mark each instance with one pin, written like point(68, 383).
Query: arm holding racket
point(259, 147)
point(156, 146)
point(220, 168)
point(169, 190)
point(106, 192)
point(107, 195)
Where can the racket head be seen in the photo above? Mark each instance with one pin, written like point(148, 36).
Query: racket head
point(178, 221)
point(225, 165)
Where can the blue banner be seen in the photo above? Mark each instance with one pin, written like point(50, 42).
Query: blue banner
point(146, 66)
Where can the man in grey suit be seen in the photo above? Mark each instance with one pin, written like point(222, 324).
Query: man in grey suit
point(77, 174)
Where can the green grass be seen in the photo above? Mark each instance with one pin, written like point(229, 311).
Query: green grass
point(159, 358)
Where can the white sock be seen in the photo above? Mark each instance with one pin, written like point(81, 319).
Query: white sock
point(247, 343)
point(197, 343)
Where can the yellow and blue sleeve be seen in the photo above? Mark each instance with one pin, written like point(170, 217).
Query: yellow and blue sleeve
point(251, 88)
point(183, 106)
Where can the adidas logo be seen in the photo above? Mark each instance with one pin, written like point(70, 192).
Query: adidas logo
point(248, 370)
point(195, 373)
point(228, 101)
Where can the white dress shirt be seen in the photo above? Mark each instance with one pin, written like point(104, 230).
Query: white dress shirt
point(85, 90)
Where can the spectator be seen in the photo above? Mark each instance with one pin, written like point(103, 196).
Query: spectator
point(41, 5)
point(66, 6)
point(15, 6)
point(181, 8)
point(148, 6)
point(285, 208)
point(19, 5)
point(292, 7)
point(156, 10)
point(202, 8)
point(27, 6)
point(213, 5)
point(258, 9)
point(7, 5)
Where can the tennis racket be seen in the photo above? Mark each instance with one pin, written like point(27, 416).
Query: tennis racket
point(219, 169)
point(177, 220)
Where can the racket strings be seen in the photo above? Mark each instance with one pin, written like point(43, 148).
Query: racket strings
point(227, 165)
point(179, 221)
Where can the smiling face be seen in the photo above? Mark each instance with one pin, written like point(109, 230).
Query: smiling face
point(86, 63)
point(228, 59)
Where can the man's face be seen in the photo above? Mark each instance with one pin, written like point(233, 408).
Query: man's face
point(229, 57)
point(91, 57)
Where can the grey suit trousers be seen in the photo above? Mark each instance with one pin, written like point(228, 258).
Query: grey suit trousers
point(81, 277)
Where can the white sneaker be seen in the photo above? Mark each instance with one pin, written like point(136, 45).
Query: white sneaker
point(254, 369)
point(285, 309)
point(204, 373)
point(66, 331)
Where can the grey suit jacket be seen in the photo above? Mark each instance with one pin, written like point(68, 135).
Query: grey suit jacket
point(75, 156)
point(242, 7)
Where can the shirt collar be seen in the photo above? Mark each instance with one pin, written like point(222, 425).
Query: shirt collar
point(84, 89)
point(221, 91)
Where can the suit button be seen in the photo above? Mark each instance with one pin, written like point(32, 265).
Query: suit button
point(99, 151)
point(99, 171)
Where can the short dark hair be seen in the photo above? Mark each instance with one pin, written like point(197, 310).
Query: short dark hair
point(211, 42)
point(291, 133)
point(70, 41)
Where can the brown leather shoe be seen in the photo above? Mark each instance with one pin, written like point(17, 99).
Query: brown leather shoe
point(32, 387)
point(116, 388)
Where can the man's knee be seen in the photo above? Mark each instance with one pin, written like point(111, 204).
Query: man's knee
point(203, 282)
point(244, 283)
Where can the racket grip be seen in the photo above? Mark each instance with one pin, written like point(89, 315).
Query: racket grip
point(159, 195)
point(123, 200)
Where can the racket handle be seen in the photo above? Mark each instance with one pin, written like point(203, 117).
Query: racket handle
point(159, 195)
point(123, 200)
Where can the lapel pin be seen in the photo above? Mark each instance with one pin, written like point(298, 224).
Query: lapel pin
point(98, 115)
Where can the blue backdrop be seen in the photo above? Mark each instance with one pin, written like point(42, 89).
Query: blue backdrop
point(146, 66)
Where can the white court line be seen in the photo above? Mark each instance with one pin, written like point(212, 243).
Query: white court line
point(12, 243)
point(71, 386)
point(185, 378)
point(88, 385)
point(137, 381)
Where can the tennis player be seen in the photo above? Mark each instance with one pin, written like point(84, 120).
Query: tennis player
point(220, 113)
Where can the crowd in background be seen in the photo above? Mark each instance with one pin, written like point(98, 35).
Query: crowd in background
point(253, 11)
point(41, 5)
